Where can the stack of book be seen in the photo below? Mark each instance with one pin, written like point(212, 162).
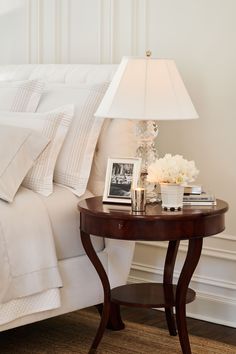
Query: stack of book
point(193, 189)
point(193, 195)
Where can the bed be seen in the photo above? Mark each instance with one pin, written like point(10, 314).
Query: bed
point(40, 222)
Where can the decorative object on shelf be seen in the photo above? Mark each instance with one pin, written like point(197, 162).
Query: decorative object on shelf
point(172, 173)
point(172, 196)
point(138, 196)
point(193, 189)
point(138, 199)
point(148, 90)
point(121, 174)
point(199, 199)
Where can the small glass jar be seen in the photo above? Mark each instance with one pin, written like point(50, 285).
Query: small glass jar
point(138, 197)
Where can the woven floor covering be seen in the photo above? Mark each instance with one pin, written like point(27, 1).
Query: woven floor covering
point(74, 332)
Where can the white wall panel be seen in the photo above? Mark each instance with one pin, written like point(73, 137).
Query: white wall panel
point(47, 28)
point(13, 31)
point(63, 35)
point(122, 32)
point(140, 28)
point(73, 31)
point(84, 31)
point(34, 11)
point(107, 28)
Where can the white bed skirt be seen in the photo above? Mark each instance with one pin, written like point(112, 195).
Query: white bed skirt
point(82, 287)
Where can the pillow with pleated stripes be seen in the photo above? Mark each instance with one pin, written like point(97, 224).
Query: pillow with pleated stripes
point(54, 126)
point(20, 96)
point(19, 149)
point(75, 159)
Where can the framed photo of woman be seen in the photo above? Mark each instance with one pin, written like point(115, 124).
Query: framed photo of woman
point(121, 174)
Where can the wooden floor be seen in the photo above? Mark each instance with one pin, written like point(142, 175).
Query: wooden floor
point(204, 329)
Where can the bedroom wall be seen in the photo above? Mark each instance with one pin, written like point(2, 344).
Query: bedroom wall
point(200, 36)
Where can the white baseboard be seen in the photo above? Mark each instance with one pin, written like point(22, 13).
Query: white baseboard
point(211, 282)
point(214, 280)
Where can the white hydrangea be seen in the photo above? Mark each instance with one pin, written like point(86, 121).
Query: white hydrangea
point(172, 169)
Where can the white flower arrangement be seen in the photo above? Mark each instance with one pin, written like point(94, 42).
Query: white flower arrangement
point(172, 169)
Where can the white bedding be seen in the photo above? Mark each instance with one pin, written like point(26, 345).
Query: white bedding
point(28, 262)
point(64, 216)
point(81, 285)
point(35, 233)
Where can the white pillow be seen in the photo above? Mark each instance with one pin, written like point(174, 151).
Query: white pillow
point(117, 139)
point(20, 96)
point(54, 126)
point(75, 159)
point(19, 148)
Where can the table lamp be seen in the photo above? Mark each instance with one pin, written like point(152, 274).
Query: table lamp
point(148, 90)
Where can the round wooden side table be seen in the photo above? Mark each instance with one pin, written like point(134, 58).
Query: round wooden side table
point(192, 223)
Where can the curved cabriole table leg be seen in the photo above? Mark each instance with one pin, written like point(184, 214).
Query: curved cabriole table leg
point(168, 279)
point(191, 261)
point(115, 322)
point(87, 244)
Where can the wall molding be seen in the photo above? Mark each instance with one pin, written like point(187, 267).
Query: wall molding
point(111, 31)
point(206, 251)
point(223, 236)
point(198, 279)
point(57, 31)
point(28, 27)
point(106, 31)
point(50, 41)
point(134, 29)
point(65, 8)
point(34, 28)
point(214, 310)
point(141, 29)
point(99, 55)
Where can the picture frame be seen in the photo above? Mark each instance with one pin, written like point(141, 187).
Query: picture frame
point(121, 174)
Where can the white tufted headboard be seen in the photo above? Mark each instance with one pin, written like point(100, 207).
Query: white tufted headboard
point(59, 73)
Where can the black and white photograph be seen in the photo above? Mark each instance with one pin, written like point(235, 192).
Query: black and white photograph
point(121, 174)
point(121, 179)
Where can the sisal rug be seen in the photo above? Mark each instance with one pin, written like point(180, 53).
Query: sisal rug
point(73, 333)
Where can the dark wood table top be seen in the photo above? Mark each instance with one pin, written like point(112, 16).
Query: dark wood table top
point(118, 221)
point(95, 206)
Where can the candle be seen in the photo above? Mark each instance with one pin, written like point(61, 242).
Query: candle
point(138, 199)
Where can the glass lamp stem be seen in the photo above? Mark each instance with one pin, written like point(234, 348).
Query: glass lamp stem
point(146, 133)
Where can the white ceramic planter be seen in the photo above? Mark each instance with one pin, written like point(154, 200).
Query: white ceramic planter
point(172, 196)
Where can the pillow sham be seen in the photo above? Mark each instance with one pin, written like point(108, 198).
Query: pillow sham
point(117, 139)
point(20, 96)
point(53, 125)
point(75, 159)
point(19, 148)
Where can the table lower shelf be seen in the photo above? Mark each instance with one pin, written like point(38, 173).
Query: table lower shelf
point(148, 295)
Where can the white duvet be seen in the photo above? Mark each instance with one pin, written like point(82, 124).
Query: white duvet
point(28, 262)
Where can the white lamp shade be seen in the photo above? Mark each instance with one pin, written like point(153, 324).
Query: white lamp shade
point(147, 89)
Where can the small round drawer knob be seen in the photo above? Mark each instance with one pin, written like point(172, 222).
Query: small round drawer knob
point(121, 225)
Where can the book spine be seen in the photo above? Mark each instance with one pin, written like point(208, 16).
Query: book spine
point(200, 203)
point(199, 199)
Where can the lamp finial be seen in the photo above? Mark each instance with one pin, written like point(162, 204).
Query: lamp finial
point(148, 53)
